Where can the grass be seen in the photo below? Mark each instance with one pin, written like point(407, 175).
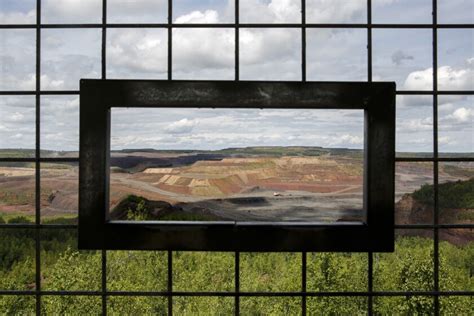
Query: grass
point(16, 197)
point(12, 218)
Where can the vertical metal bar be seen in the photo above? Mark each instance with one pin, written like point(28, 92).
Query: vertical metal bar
point(104, 282)
point(435, 156)
point(303, 79)
point(303, 282)
point(370, 283)
point(237, 77)
point(170, 77)
point(370, 261)
point(303, 40)
point(369, 40)
point(170, 39)
point(104, 38)
point(37, 161)
point(170, 282)
point(237, 283)
point(104, 76)
point(237, 40)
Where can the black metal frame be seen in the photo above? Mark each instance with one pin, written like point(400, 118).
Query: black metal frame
point(98, 231)
point(435, 226)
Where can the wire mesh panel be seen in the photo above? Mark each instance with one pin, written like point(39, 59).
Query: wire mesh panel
point(430, 59)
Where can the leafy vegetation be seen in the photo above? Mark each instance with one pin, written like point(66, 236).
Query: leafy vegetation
point(138, 208)
point(63, 267)
point(409, 268)
point(140, 212)
point(458, 194)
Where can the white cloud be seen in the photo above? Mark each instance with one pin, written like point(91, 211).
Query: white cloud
point(415, 125)
point(462, 115)
point(203, 48)
point(445, 107)
point(419, 80)
point(208, 16)
point(332, 11)
point(133, 50)
point(17, 57)
point(181, 126)
point(449, 78)
point(384, 2)
point(18, 17)
point(71, 11)
point(50, 84)
point(345, 139)
point(270, 54)
point(52, 42)
point(336, 54)
point(142, 11)
point(445, 140)
point(276, 11)
point(17, 116)
point(266, 45)
point(78, 57)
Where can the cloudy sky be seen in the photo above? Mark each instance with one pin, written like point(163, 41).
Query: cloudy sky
point(400, 55)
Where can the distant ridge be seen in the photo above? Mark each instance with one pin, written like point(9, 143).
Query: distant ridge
point(250, 150)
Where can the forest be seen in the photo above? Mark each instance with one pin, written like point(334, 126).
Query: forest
point(409, 268)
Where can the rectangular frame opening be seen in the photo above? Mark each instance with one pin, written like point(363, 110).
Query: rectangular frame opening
point(377, 100)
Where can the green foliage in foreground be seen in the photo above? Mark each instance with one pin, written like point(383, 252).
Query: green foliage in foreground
point(138, 208)
point(409, 268)
point(458, 194)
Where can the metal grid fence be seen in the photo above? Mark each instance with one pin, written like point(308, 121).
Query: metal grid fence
point(370, 293)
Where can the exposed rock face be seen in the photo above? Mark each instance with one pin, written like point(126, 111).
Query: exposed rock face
point(410, 211)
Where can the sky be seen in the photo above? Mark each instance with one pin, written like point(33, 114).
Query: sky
point(219, 128)
point(400, 55)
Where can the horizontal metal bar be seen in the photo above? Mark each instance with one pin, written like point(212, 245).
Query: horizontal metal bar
point(13, 159)
point(14, 92)
point(41, 159)
point(437, 92)
point(233, 294)
point(54, 92)
point(41, 92)
point(59, 159)
point(239, 25)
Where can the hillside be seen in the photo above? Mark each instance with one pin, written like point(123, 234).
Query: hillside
point(455, 207)
point(140, 159)
point(139, 208)
point(458, 194)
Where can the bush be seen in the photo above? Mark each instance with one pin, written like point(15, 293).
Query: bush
point(458, 194)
